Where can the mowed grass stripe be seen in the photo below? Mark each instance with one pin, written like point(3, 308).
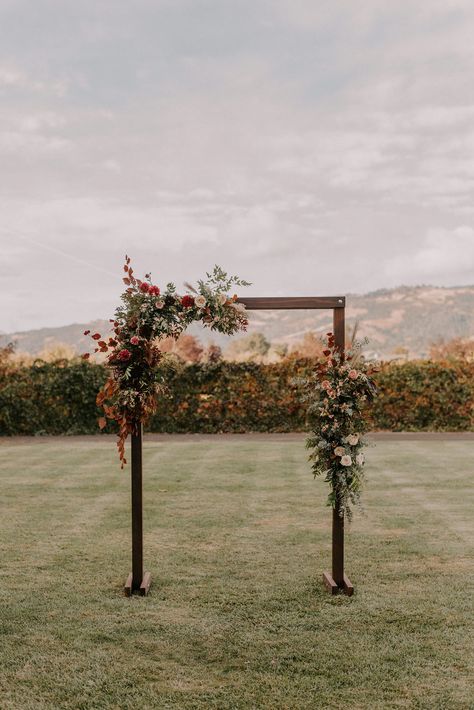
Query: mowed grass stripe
point(236, 536)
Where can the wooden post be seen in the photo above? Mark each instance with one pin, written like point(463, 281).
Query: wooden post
point(137, 509)
point(338, 580)
point(137, 581)
point(337, 519)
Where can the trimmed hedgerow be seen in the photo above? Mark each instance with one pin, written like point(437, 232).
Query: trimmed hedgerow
point(59, 398)
point(425, 396)
point(50, 398)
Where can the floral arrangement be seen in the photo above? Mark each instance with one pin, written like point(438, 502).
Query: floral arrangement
point(336, 394)
point(138, 368)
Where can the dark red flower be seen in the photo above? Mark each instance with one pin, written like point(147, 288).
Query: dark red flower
point(124, 355)
point(134, 340)
point(144, 287)
point(86, 332)
point(187, 301)
point(154, 290)
point(96, 336)
point(86, 356)
point(326, 352)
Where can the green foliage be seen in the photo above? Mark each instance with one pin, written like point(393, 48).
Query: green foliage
point(336, 396)
point(59, 398)
point(249, 347)
point(232, 397)
point(50, 398)
point(219, 281)
point(425, 396)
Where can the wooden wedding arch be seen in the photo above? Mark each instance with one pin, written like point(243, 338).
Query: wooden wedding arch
point(140, 582)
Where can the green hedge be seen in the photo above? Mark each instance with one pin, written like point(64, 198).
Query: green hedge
point(59, 398)
point(50, 398)
point(425, 396)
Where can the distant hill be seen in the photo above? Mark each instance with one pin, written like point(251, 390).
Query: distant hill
point(404, 317)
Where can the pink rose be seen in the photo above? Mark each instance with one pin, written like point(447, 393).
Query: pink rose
point(124, 355)
point(134, 340)
point(353, 374)
point(325, 384)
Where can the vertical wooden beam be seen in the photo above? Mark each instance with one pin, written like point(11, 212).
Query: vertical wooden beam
point(137, 509)
point(337, 518)
point(338, 547)
point(339, 327)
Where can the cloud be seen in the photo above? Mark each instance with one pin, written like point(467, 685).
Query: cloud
point(312, 146)
point(447, 252)
point(11, 76)
point(443, 256)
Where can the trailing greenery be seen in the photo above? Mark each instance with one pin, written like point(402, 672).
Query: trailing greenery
point(336, 395)
point(138, 375)
point(59, 398)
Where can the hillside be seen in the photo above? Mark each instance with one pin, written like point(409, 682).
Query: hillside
point(405, 317)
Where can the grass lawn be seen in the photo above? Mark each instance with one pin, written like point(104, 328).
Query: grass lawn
point(236, 536)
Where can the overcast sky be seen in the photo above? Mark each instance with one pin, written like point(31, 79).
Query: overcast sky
point(314, 148)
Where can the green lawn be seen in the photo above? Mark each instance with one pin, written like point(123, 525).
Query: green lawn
point(236, 536)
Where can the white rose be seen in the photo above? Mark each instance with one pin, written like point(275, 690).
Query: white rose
point(360, 459)
point(346, 461)
point(222, 298)
point(200, 301)
point(353, 439)
point(339, 451)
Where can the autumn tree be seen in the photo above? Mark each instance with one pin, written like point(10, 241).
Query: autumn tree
point(281, 350)
point(6, 358)
point(213, 353)
point(56, 350)
point(254, 346)
point(455, 349)
point(186, 348)
point(310, 346)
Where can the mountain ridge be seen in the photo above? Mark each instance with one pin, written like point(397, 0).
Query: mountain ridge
point(405, 317)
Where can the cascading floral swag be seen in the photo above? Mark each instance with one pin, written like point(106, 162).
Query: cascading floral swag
point(336, 394)
point(138, 368)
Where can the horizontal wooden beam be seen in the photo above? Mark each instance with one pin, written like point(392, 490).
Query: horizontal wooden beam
point(291, 302)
